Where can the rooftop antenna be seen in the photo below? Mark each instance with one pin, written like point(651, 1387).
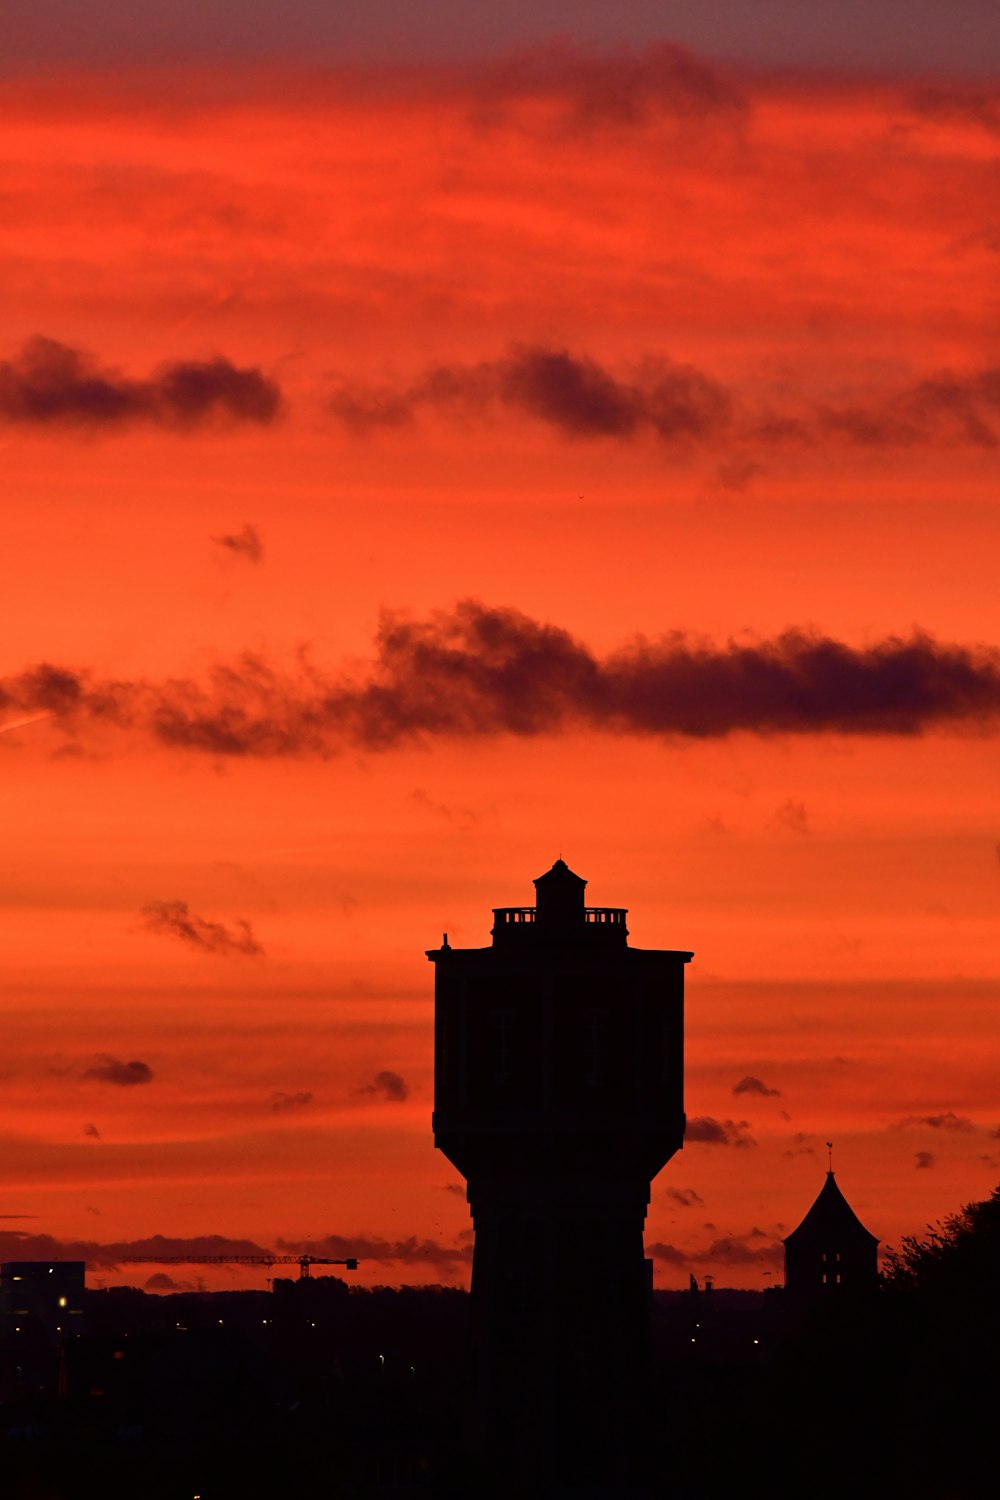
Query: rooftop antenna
point(829, 1155)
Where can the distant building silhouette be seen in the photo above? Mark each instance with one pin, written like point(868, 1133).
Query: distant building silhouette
point(41, 1307)
point(831, 1251)
point(46, 1293)
point(559, 1096)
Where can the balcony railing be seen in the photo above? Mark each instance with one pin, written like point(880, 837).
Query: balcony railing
point(514, 916)
point(613, 915)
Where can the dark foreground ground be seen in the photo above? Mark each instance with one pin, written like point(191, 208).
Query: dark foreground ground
point(318, 1392)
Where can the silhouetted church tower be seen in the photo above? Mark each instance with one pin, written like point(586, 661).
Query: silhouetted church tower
point(559, 1096)
point(831, 1251)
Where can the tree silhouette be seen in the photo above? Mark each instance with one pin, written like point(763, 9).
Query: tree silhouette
point(957, 1259)
point(943, 1304)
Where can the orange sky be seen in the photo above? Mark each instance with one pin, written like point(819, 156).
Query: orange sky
point(630, 354)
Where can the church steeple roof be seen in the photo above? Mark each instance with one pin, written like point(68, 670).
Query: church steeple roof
point(830, 1218)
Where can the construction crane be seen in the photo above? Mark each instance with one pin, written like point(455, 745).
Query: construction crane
point(304, 1262)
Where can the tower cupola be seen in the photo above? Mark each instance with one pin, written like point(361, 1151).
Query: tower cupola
point(559, 897)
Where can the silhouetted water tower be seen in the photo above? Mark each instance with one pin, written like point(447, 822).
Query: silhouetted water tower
point(559, 1096)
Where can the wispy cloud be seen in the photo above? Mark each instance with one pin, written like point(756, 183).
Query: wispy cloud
point(947, 1121)
point(753, 1249)
point(684, 1197)
point(161, 1281)
point(245, 543)
point(173, 919)
point(968, 106)
point(703, 1130)
point(462, 817)
point(106, 1069)
point(751, 1085)
point(792, 815)
point(389, 1085)
point(561, 89)
point(948, 409)
point(282, 1102)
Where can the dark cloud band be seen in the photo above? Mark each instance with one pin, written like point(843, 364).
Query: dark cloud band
point(51, 385)
point(477, 671)
point(572, 393)
point(679, 406)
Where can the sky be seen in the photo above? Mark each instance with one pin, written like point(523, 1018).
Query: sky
point(437, 439)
